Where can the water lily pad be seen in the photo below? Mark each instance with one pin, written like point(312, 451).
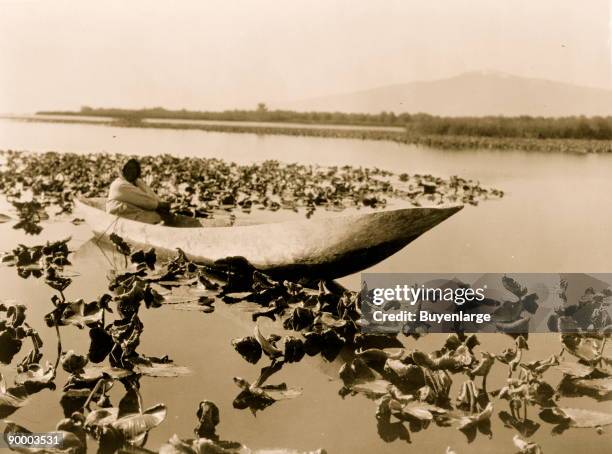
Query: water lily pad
point(408, 376)
point(526, 447)
point(208, 419)
point(575, 417)
point(294, 349)
point(148, 257)
point(120, 244)
point(248, 347)
point(585, 348)
point(299, 319)
point(372, 389)
point(268, 348)
point(414, 411)
point(466, 422)
point(514, 287)
point(11, 398)
point(258, 397)
point(95, 372)
point(357, 370)
point(235, 297)
point(36, 375)
point(101, 417)
point(160, 369)
point(184, 295)
point(10, 345)
point(575, 369)
point(72, 362)
point(598, 388)
point(101, 344)
point(132, 426)
point(376, 355)
point(77, 313)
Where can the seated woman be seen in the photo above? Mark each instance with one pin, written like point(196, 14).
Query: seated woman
point(129, 197)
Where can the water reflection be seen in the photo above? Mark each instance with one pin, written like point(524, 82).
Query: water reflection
point(413, 390)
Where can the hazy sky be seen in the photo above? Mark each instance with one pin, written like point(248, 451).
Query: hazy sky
point(209, 54)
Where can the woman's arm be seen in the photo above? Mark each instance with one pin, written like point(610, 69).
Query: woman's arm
point(123, 191)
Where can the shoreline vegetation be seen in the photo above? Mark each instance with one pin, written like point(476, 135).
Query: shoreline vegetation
point(567, 134)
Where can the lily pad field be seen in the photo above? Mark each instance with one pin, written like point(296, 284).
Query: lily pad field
point(123, 350)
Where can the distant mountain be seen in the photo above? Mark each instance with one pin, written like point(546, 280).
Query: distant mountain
point(470, 94)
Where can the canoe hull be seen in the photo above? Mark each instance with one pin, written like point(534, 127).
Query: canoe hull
point(328, 247)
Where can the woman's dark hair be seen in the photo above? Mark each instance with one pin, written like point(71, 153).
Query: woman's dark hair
point(131, 170)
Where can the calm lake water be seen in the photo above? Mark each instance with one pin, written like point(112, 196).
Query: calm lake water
point(555, 217)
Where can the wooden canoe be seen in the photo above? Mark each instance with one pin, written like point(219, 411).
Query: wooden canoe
point(328, 247)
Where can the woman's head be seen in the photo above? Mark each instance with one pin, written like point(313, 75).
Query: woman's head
point(131, 170)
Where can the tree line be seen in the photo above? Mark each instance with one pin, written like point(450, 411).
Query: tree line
point(575, 127)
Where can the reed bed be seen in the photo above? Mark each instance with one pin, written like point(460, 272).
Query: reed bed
point(439, 141)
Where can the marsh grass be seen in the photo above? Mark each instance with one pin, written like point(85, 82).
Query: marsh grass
point(571, 134)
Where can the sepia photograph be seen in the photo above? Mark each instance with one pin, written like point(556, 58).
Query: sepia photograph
point(306, 226)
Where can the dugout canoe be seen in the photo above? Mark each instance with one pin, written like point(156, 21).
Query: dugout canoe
point(327, 247)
